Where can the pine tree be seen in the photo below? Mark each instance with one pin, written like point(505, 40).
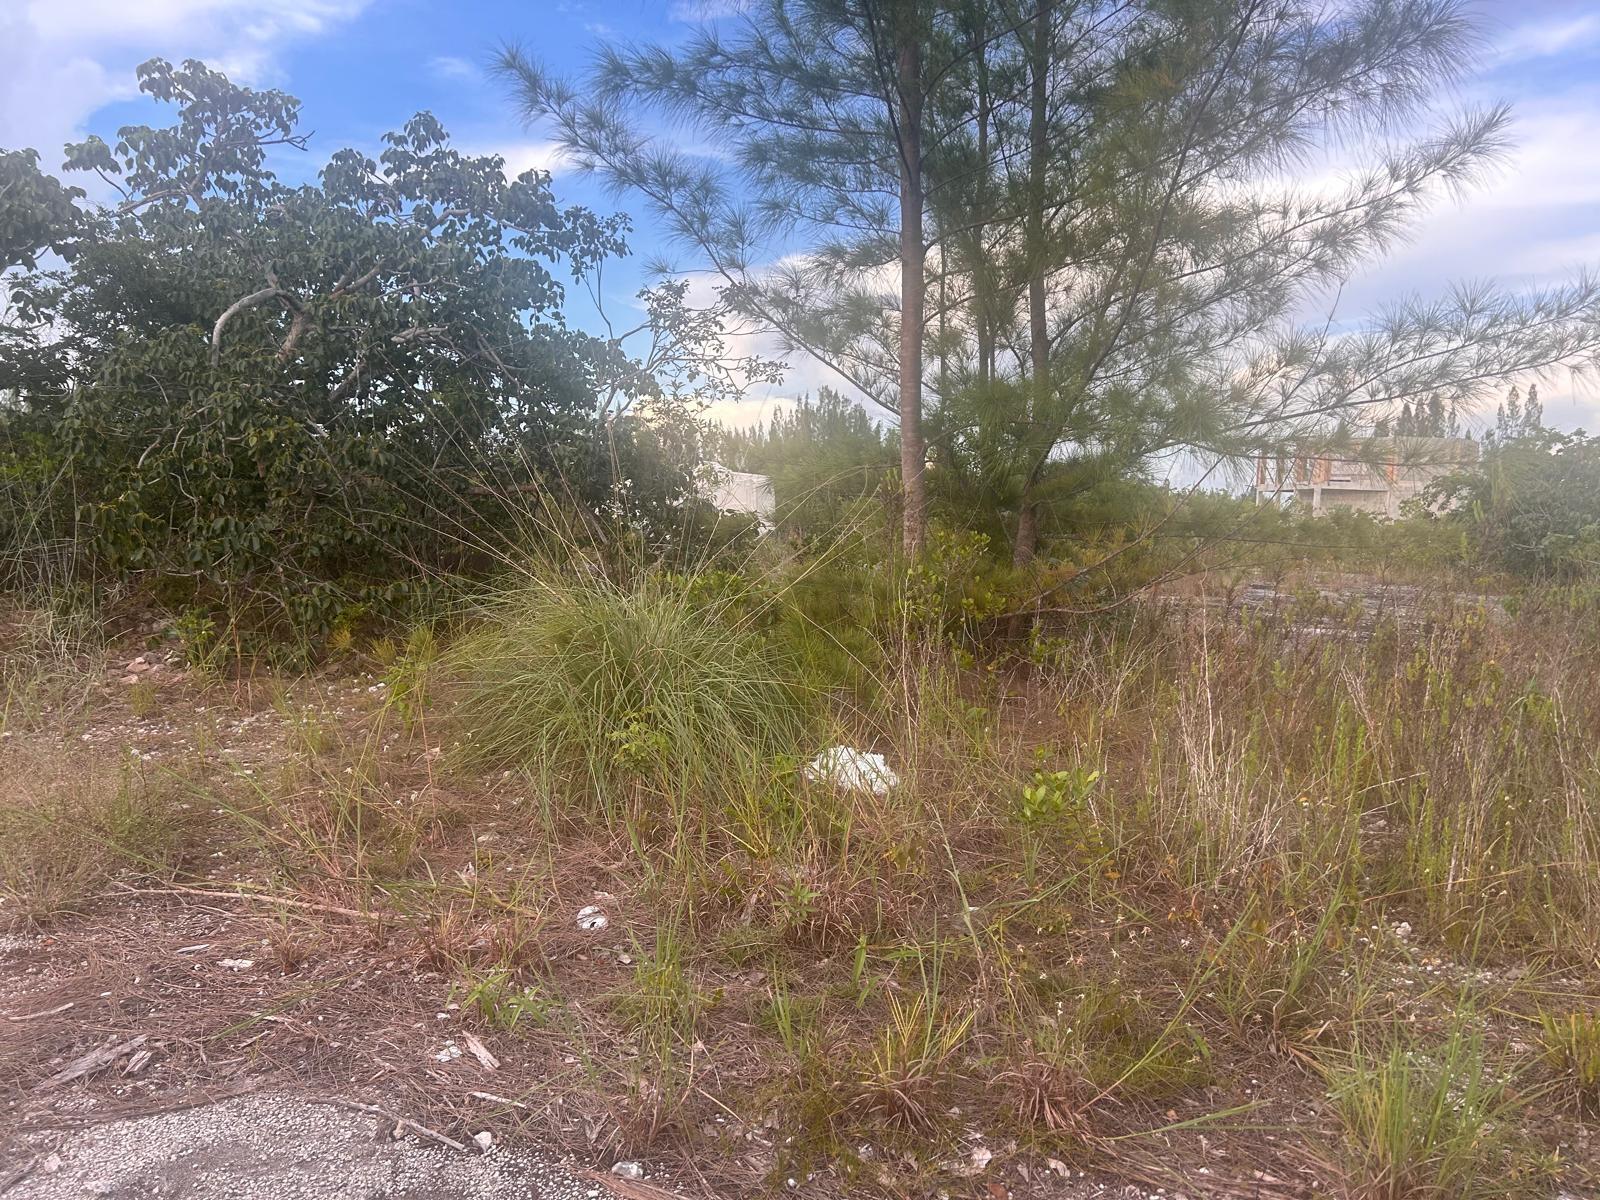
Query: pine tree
point(1111, 279)
point(827, 108)
point(1434, 424)
point(1532, 412)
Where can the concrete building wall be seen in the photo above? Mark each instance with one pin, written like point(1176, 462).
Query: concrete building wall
point(1374, 475)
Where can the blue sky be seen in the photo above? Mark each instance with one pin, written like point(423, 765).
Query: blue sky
point(362, 66)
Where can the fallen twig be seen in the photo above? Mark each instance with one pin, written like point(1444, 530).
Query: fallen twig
point(400, 1122)
point(493, 1099)
point(49, 1012)
point(95, 1060)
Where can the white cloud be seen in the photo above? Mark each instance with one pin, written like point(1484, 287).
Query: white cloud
point(750, 413)
point(63, 60)
point(525, 156)
point(1542, 39)
point(1532, 221)
point(114, 22)
point(450, 66)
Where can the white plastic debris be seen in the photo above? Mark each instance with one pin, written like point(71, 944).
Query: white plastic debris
point(628, 1170)
point(736, 491)
point(236, 964)
point(484, 1140)
point(853, 770)
point(591, 918)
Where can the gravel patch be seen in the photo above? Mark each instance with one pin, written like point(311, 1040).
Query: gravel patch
point(279, 1147)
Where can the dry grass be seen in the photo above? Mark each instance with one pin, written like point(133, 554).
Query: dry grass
point(69, 827)
point(1160, 889)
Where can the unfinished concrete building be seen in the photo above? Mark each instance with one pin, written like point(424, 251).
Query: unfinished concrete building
point(1372, 475)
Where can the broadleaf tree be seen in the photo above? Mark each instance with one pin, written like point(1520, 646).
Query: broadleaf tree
point(303, 396)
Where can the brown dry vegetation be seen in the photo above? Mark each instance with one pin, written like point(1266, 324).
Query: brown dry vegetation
point(1284, 901)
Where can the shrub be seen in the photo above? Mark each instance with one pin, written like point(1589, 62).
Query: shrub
point(1531, 507)
point(613, 683)
point(221, 396)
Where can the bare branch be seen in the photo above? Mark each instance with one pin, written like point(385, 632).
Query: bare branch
point(232, 311)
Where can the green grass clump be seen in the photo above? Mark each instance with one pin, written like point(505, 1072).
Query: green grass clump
point(625, 683)
point(1426, 1122)
point(1571, 1043)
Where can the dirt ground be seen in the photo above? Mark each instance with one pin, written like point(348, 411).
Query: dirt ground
point(226, 1072)
point(206, 1040)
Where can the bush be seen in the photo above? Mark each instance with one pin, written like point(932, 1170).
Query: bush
point(1531, 507)
point(285, 405)
point(648, 682)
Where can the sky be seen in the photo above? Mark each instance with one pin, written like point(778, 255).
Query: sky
point(362, 67)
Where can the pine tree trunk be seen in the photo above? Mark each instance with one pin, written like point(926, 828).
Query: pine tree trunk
point(982, 283)
point(1026, 543)
point(1027, 539)
point(913, 452)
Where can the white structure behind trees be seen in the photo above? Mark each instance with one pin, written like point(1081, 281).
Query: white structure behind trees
point(1373, 475)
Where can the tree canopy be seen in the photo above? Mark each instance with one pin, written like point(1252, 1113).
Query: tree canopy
point(1103, 254)
point(305, 392)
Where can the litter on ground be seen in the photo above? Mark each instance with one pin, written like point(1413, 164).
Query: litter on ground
point(853, 770)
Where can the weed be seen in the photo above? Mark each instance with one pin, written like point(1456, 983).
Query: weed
point(291, 945)
point(50, 657)
point(794, 1018)
point(310, 733)
point(65, 833)
point(903, 1075)
point(408, 675)
point(501, 1001)
point(1130, 1050)
point(1049, 1095)
point(1428, 1122)
point(1275, 975)
point(333, 824)
point(204, 648)
point(1571, 1043)
point(143, 698)
point(663, 1004)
